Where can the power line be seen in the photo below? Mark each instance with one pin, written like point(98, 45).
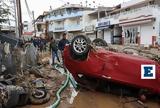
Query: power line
point(28, 10)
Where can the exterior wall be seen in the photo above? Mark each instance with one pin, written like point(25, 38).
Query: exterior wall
point(28, 27)
point(136, 12)
point(89, 24)
point(66, 15)
point(130, 3)
point(146, 33)
point(156, 24)
point(41, 30)
point(72, 22)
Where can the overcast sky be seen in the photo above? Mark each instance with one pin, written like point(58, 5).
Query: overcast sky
point(38, 6)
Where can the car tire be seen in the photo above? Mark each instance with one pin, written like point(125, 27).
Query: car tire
point(99, 42)
point(38, 101)
point(80, 47)
point(23, 97)
point(13, 97)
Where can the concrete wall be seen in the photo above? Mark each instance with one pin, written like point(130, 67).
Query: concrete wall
point(131, 2)
point(146, 33)
point(148, 10)
point(88, 20)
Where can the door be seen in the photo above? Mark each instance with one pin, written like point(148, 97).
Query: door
point(146, 34)
point(107, 36)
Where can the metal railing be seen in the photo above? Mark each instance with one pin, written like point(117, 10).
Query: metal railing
point(116, 16)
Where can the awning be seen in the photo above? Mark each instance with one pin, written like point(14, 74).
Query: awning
point(136, 23)
point(138, 20)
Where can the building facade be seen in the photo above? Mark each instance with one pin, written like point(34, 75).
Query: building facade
point(132, 22)
point(68, 18)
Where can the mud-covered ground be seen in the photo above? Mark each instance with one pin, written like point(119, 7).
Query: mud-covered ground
point(90, 99)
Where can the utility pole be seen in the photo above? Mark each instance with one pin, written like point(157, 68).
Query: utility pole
point(34, 23)
point(86, 3)
point(19, 14)
point(16, 18)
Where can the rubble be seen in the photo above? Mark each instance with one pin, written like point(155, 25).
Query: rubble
point(27, 81)
point(28, 76)
point(151, 53)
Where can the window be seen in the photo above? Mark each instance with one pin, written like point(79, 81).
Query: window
point(131, 35)
point(39, 27)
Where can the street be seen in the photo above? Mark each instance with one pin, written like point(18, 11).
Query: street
point(80, 54)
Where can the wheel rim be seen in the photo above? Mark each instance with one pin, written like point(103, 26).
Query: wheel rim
point(80, 45)
point(38, 94)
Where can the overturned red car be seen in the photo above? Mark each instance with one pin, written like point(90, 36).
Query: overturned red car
point(135, 71)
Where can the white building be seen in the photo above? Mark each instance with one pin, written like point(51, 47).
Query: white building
point(68, 18)
point(90, 19)
point(28, 30)
point(133, 22)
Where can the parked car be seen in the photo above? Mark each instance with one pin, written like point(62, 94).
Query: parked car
point(120, 68)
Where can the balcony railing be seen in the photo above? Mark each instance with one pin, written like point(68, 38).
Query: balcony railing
point(70, 27)
point(143, 10)
point(73, 27)
point(66, 15)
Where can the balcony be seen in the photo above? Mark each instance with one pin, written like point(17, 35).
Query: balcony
point(58, 29)
point(67, 15)
point(71, 27)
point(147, 10)
point(133, 13)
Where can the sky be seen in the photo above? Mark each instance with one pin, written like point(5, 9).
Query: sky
point(38, 6)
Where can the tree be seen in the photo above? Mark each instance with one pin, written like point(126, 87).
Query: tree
point(4, 12)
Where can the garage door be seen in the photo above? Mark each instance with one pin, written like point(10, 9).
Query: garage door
point(107, 36)
point(146, 34)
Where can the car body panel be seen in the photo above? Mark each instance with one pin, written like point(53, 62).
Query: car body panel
point(118, 67)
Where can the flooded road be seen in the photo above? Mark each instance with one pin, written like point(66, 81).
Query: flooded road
point(89, 99)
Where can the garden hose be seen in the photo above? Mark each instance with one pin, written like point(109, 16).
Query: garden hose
point(69, 79)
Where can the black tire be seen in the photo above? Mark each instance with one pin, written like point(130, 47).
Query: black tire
point(38, 101)
point(13, 97)
point(23, 97)
point(99, 42)
point(80, 47)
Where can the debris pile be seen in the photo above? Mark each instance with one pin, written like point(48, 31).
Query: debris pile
point(22, 81)
point(152, 53)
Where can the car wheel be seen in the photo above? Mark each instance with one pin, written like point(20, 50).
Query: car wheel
point(99, 42)
point(80, 46)
point(11, 97)
point(39, 96)
point(23, 97)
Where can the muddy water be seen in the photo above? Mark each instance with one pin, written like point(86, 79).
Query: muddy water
point(88, 99)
